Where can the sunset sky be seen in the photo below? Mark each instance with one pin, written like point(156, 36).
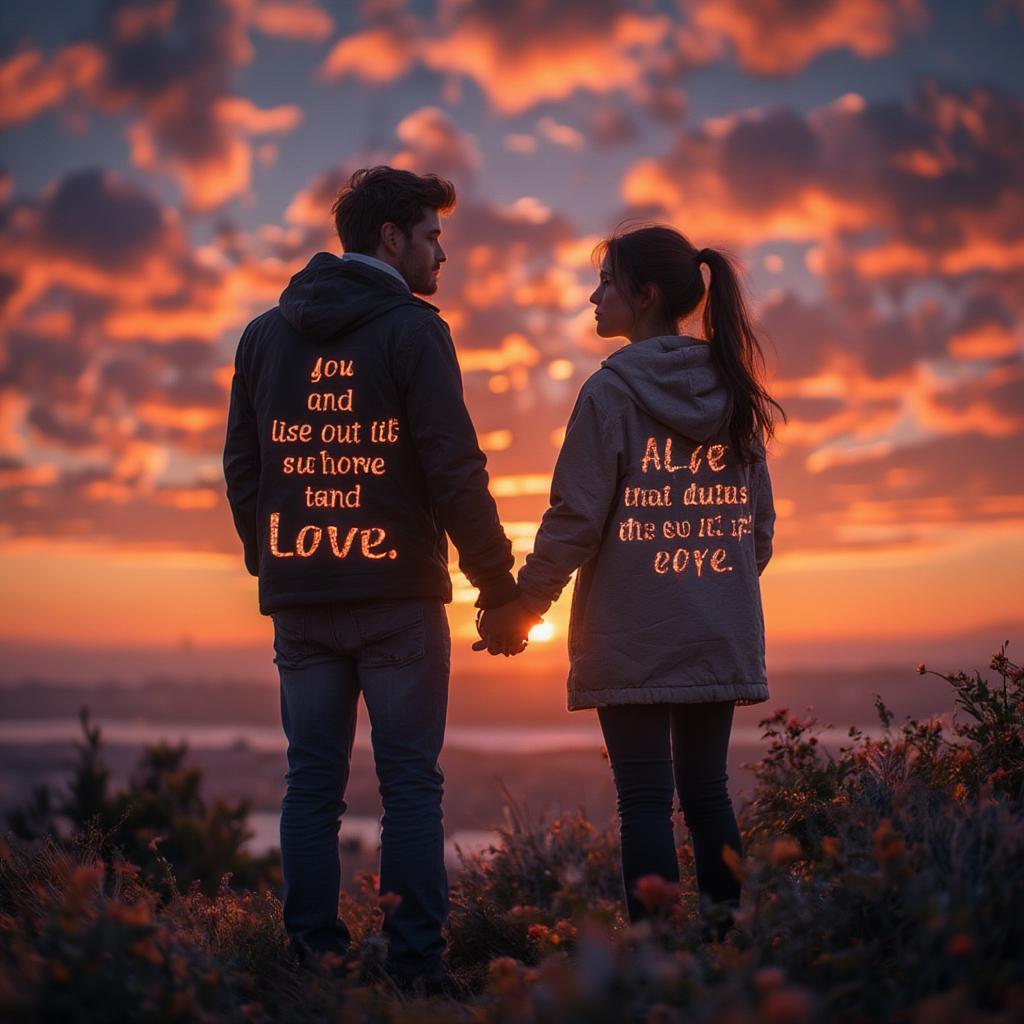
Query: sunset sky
point(165, 167)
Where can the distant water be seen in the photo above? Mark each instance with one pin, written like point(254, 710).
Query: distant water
point(365, 832)
point(485, 739)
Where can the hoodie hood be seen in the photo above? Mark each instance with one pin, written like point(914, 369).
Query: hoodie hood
point(332, 296)
point(672, 379)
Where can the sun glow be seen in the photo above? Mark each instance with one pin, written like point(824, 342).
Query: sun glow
point(542, 632)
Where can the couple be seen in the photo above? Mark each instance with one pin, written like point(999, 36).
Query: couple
point(350, 455)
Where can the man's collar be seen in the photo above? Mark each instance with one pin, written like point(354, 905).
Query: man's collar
point(372, 261)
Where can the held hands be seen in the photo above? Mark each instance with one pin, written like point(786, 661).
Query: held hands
point(503, 630)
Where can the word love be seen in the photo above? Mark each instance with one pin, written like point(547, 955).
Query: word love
point(660, 458)
point(308, 539)
point(682, 558)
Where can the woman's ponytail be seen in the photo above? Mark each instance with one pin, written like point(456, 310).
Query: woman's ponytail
point(659, 255)
point(736, 354)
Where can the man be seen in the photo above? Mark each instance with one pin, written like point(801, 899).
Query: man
point(349, 454)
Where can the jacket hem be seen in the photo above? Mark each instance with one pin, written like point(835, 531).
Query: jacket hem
point(354, 594)
point(743, 694)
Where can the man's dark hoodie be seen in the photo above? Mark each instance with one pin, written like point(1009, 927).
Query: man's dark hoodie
point(350, 452)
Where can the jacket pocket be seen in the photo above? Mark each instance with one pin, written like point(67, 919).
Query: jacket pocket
point(391, 634)
point(289, 637)
point(290, 625)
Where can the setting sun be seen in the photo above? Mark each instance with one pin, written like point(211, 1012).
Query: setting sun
point(542, 632)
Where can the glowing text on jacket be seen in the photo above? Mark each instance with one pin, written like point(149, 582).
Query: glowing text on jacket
point(342, 540)
point(701, 495)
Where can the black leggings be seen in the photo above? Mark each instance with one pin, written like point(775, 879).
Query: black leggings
point(648, 745)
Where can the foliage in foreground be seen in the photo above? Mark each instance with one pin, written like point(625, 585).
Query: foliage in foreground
point(885, 882)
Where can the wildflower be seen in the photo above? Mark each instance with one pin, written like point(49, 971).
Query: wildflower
point(565, 930)
point(890, 847)
point(146, 949)
point(960, 945)
point(733, 862)
point(655, 893)
point(183, 1005)
point(785, 851)
point(768, 979)
point(787, 1006)
point(662, 1013)
point(134, 914)
point(389, 902)
point(505, 975)
point(537, 933)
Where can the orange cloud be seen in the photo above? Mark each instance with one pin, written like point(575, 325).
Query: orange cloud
point(435, 144)
point(187, 122)
point(377, 56)
point(39, 475)
point(519, 56)
point(224, 170)
point(515, 350)
point(561, 134)
point(520, 485)
point(987, 341)
point(29, 85)
point(848, 175)
point(303, 22)
point(772, 38)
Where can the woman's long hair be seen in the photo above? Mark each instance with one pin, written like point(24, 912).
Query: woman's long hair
point(662, 257)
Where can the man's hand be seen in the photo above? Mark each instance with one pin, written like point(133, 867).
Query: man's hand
point(503, 630)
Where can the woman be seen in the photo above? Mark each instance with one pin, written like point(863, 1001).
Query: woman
point(661, 498)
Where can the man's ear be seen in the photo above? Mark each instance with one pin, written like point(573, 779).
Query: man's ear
point(391, 238)
point(648, 296)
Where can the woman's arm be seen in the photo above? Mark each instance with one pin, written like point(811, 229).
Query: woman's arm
point(764, 515)
point(583, 493)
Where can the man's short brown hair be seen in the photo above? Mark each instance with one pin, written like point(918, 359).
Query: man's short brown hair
point(375, 196)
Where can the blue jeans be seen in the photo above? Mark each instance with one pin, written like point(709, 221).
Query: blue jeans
point(397, 654)
point(652, 746)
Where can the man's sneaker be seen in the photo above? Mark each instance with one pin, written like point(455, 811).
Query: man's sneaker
point(337, 963)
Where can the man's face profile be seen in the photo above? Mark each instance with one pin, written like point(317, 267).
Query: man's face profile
point(420, 255)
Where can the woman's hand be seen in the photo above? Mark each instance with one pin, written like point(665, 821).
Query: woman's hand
point(504, 630)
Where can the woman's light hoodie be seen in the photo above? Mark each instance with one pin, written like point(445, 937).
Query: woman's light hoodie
point(669, 531)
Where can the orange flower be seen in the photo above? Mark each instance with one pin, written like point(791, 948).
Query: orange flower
point(134, 914)
point(785, 851)
point(890, 847)
point(389, 902)
point(733, 862)
point(787, 1006)
point(505, 975)
point(538, 933)
point(145, 949)
point(655, 893)
point(960, 945)
point(768, 979)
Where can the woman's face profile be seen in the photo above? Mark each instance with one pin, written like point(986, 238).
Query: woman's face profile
point(614, 317)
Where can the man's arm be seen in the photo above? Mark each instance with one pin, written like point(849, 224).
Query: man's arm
point(446, 444)
point(583, 492)
point(242, 464)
